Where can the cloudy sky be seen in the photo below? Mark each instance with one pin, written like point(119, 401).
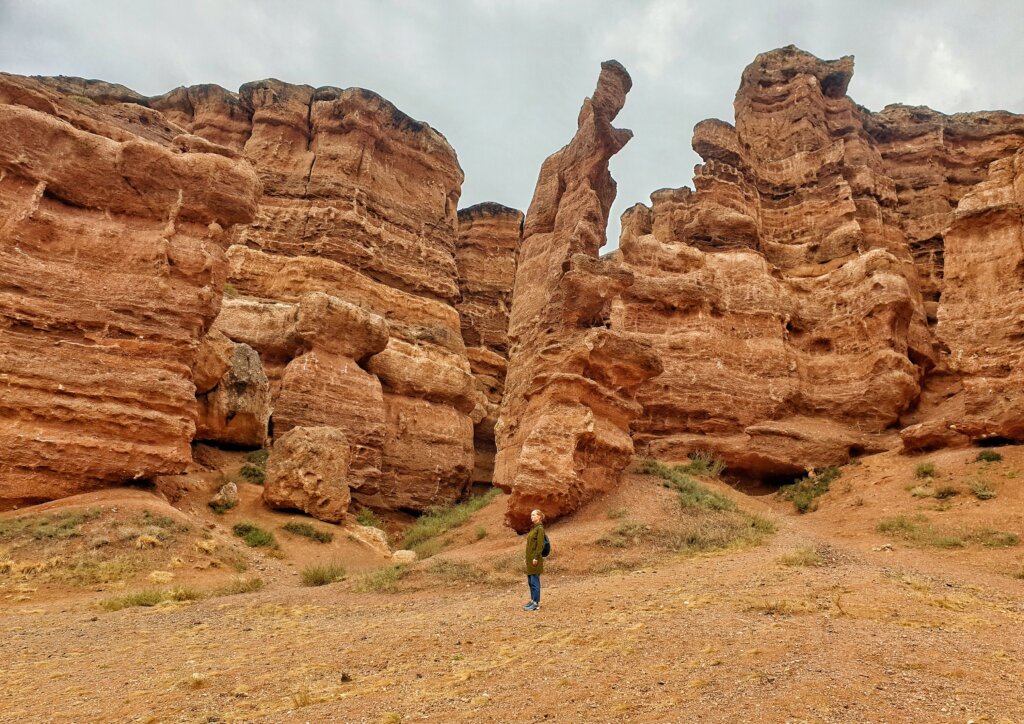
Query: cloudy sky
point(504, 80)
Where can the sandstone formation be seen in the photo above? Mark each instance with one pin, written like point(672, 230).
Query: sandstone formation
point(112, 241)
point(563, 436)
point(357, 225)
point(236, 408)
point(792, 294)
point(489, 236)
point(307, 470)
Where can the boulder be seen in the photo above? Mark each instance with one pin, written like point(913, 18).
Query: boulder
point(307, 470)
point(237, 409)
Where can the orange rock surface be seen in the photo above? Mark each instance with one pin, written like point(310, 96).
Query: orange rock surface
point(563, 435)
point(112, 241)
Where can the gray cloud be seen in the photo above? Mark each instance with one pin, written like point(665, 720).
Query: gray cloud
point(503, 81)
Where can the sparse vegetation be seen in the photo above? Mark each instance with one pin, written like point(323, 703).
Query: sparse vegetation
point(150, 597)
point(456, 572)
point(59, 526)
point(616, 513)
point(626, 534)
point(805, 491)
point(241, 585)
point(321, 574)
point(230, 291)
point(254, 536)
point(222, 506)
point(703, 462)
point(925, 470)
point(255, 468)
point(440, 520)
point(480, 533)
point(368, 518)
point(691, 493)
point(308, 531)
point(806, 556)
point(988, 456)
point(982, 490)
point(946, 491)
point(385, 580)
point(922, 491)
point(921, 532)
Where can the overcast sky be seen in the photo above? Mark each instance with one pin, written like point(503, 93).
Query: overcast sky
point(504, 80)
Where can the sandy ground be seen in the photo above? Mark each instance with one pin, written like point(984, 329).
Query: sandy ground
point(881, 631)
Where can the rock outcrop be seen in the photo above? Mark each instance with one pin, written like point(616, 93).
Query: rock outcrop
point(307, 470)
point(793, 294)
point(357, 225)
point(235, 409)
point(112, 244)
point(489, 236)
point(563, 435)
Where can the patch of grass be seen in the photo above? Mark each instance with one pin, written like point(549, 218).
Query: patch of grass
point(220, 507)
point(55, 526)
point(241, 585)
point(440, 520)
point(925, 470)
point(988, 456)
point(781, 607)
point(805, 491)
point(806, 556)
point(456, 572)
point(321, 574)
point(921, 532)
point(258, 457)
point(480, 533)
point(254, 536)
point(151, 597)
point(946, 491)
point(616, 513)
point(702, 462)
point(994, 538)
point(982, 490)
point(1018, 574)
point(308, 531)
point(922, 491)
point(385, 580)
point(691, 493)
point(625, 535)
point(253, 473)
point(366, 517)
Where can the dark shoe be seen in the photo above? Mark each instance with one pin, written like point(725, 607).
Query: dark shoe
point(531, 606)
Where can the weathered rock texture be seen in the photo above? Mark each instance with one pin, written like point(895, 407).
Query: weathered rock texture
point(113, 227)
point(235, 409)
point(357, 225)
point(307, 470)
point(563, 436)
point(489, 236)
point(784, 293)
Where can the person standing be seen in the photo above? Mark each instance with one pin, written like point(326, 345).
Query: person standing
point(535, 559)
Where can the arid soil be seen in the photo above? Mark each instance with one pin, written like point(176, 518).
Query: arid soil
point(828, 620)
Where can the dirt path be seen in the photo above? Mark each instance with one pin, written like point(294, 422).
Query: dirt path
point(733, 637)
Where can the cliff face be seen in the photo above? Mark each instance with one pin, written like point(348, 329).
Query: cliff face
point(347, 279)
point(489, 237)
point(563, 436)
point(792, 295)
point(113, 231)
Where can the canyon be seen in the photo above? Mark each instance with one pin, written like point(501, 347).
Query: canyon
point(286, 267)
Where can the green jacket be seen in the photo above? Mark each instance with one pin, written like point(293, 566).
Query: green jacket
point(535, 550)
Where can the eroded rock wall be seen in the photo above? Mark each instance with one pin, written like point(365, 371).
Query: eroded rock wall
point(563, 435)
point(489, 237)
point(113, 230)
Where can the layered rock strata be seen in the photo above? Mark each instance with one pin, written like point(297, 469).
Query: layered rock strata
point(489, 236)
point(784, 292)
point(113, 230)
point(563, 435)
point(359, 207)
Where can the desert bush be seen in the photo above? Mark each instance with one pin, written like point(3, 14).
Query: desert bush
point(368, 518)
point(988, 456)
point(994, 538)
point(691, 493)
point(982, 490)
point(702, 462)
point(240, 585)
point(946, 491)
point(805, 491)
point(480, 533)
point(220, 507)
point(254, 536)
point(925, 470)
point(321, 574)
point(806, 556)
point(385, 580)
point(150, 597)
point(616, 513)
point(440, 520)
point(308, 531)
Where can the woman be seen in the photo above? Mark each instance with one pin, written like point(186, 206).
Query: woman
point(535, 559)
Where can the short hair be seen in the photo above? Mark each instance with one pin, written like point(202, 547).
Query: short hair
point(538, 511)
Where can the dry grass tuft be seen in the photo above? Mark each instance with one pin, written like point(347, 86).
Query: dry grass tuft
point(806, 556)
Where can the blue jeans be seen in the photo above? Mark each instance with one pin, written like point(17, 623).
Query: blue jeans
point(534, 581)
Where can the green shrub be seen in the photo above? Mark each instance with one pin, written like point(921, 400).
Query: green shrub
point(441, 520)
point(254, 536)
point(308, 531)
point(150, 597)
point(253, 473)
point(994, 538)
point(702, 462)
point(385, 580)
point(806, 556)
point(691, 493)
point(981, 490)
point(805, 491)
point(925, 470)
point(480, 533)
point(220, 507)
point(988, 456)
point(368, 518)
point(321, 574)
point(258, 457)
